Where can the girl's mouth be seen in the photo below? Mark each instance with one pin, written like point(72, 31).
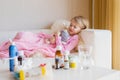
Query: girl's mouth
point(70, 30)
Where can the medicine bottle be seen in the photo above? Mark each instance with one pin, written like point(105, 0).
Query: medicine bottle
point(12, 54)
point(58, 57)
point(20, 57)
point(66, 60)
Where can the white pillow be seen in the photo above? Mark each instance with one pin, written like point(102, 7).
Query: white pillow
point(60, 25)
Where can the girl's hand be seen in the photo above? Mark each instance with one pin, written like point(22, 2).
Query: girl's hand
point(56, 34)
point(52, 40)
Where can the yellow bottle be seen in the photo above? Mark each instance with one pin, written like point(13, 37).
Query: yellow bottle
point(22, 76)
point(43, 69)
point(72, 64)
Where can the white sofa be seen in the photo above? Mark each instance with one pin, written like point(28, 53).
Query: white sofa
point(100, 39)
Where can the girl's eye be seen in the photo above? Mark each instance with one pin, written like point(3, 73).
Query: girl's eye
point(70, 25)
point(75, 27)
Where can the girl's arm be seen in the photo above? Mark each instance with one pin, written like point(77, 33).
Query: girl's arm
point(70, 44)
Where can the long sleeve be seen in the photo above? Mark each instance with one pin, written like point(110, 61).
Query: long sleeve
point(70, 44)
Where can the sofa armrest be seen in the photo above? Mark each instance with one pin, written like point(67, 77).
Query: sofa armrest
point(102, 46)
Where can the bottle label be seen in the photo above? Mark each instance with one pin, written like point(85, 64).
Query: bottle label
point(57, 63)
point(66, 65)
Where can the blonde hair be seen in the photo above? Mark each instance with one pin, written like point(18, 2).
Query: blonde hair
point(85, 24)
point(82, 21)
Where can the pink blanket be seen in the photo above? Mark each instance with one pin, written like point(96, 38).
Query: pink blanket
point(36, 42)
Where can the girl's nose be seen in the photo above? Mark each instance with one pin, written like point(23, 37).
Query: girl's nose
point(72, 27)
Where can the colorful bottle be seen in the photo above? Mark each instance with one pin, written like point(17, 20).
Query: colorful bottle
point(22, 75)
point(58, 57)
point(12, 54)
point(66, 60)
point(20, 57)
point(73, 63)
point(43, 69)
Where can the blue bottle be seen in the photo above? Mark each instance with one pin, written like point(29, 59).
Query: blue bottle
point(12, 54)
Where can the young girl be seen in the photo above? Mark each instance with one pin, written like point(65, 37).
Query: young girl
point(45, 44)
point(70, 37)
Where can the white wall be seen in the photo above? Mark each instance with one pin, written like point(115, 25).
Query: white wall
point(30, 14)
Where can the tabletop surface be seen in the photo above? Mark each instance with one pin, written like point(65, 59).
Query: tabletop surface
point(93, 73)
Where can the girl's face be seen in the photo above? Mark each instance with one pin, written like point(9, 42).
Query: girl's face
point(74, 28)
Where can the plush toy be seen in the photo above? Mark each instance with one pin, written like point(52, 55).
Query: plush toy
point(60, 25)
point(64, 35)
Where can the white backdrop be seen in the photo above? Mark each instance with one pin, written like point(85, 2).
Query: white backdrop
point(35, 14)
